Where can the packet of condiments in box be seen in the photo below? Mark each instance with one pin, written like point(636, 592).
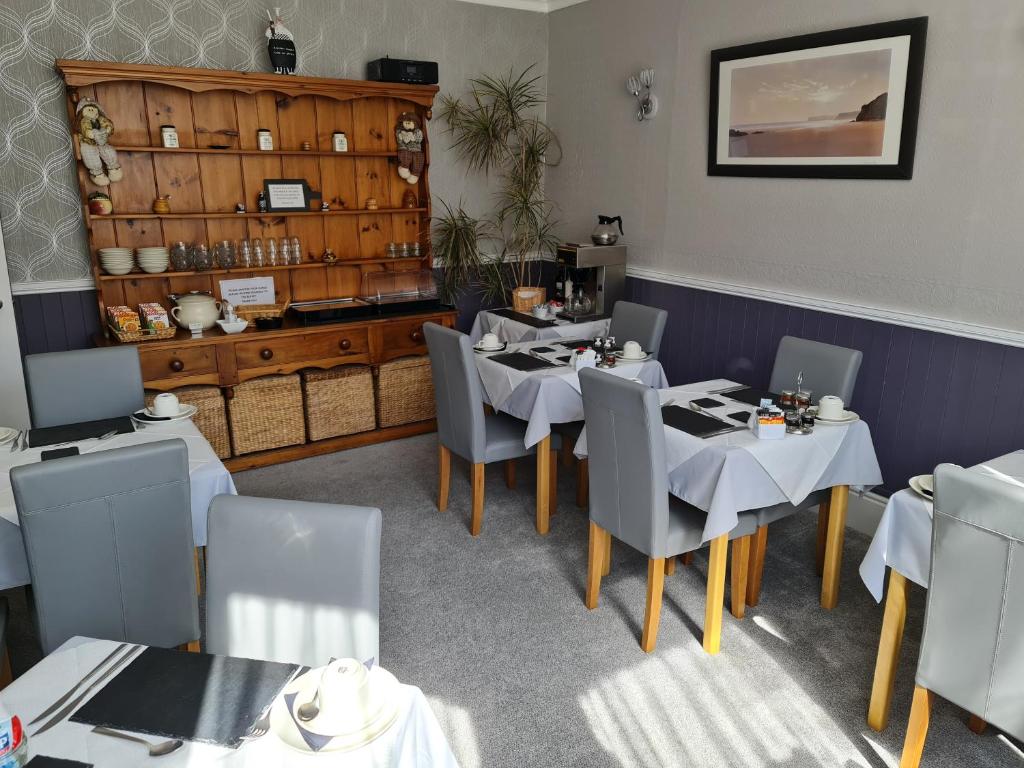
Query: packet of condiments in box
point(770, 422)
point(153, 316)
point(123, 318)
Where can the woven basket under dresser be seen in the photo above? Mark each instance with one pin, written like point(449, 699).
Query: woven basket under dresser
point(267, 413)
point(338, 401)
point(210, 418)
point(405, 392)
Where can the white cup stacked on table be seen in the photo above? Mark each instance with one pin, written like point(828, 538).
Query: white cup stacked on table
point(831, 407)
point(632, 350)
point(166, 405)
point(490, 341)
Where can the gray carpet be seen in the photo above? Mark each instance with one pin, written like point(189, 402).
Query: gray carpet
point(519, 673)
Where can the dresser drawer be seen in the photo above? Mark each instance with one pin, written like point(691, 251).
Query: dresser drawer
point(404, 337)
point(311, 347)
point(181, 362)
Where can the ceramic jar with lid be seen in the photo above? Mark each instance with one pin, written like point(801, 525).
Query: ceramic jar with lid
point(195, 307)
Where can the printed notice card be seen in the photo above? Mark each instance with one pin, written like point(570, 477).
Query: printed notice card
point(253, 290)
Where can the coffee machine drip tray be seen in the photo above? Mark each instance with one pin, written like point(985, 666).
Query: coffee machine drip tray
point(574, 318)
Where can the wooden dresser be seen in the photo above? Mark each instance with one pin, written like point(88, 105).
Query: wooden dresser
point(218, 164)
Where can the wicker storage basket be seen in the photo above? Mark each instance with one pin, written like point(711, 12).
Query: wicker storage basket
point(525, 297)
point(338, 401)
point(267, 413)
point(405, 392)
point(210, 418)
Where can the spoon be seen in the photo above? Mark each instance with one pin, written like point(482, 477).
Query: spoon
point(311, 709)
point(155, 749)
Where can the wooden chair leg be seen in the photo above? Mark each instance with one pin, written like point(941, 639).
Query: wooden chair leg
point(688, 558)
point(510, 473)
point(543, 523)
point(717, 559)
point(652, 609)
point(582, 483)
point(888, 657)
point(567, 455)
point(758, 546)
point(477, 516)
point(606, 566)
point(819, 565)
point(444, 476)
point(670, 565)
point(193, 647)
point(834, 546)
point(976, 724)
point(199, 571)
point(553, 485)
point(917, 728)
point(738, 575)
point(6, 675)
point(595, 563)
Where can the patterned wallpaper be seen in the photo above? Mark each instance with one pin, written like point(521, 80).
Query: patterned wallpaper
point(39, 204)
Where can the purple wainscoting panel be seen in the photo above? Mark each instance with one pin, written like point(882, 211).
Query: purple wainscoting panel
point(54, 322)
point(928, 397)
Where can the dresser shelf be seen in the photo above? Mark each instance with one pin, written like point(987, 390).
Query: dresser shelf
point(259, 270)
point(249, 215)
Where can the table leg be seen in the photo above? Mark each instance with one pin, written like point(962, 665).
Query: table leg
point(834, 546)
point(888, 651)
point(758, 547)
point(510, 473)
point(553, 485)
point(199, 571)
point(717, 560)
point(476, 517)
point(582, 483)
point(543, 485)
point(819, 564)
point(670, 565)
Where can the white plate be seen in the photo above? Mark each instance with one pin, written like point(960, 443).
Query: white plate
point(848, 418)
point(488, 350)
point(6, 434)
point(922, 486)
point(625, 359)
point(187, 411)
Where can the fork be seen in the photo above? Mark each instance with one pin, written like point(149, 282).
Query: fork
point(262, 726)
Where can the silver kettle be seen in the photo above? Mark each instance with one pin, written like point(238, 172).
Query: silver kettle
point(604, 233)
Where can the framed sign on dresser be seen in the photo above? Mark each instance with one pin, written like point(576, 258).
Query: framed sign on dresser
point(206, 187)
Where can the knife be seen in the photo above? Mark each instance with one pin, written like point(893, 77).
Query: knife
point(82, 696)
point(53, 707)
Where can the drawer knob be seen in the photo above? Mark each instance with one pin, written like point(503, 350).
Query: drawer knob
point(266, 354)
point(176, 365)
point(416, 334)
point(345, 344)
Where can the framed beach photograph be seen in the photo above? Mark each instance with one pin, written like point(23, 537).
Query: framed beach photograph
point(837, 105)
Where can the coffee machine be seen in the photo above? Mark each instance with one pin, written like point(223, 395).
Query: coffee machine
point(599, 269)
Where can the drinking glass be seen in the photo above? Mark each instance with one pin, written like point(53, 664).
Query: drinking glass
point(391, 251)
point(245, 254)
point(201, 258)
point(403, 250)
point(286, 251)
point(296, 251)
point(225, 252)
point(271, 252)
point(181, 257)
point(257, 252)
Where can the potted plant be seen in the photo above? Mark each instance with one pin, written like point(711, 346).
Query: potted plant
point(497, 132)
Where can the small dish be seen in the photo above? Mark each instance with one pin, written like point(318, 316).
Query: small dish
point(235, 326)
point(622, 356)
point(848, 418)
point(185, 412)
point(488, 350)
point(922, 486)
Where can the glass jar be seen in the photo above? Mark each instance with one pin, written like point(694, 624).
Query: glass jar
point(202, 260)
point(403, 251)
point(391, 251)
point(787, 399)
point(296, 251)
point(169, 136)
point(225, 253)
point(339, 141)
point(181, 257)
point(415, 252)
point(265, 140)
point(803, 398)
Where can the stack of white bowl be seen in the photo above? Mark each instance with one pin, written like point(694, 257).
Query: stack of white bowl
point(152, 260)
point(116, 261)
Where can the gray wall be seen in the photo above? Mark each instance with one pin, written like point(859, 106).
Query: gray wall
point(39, 205)
point(947, 244)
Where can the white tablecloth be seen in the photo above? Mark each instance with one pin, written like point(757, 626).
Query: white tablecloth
point(903, 539)
point(414, 741)
point(207, 477)
point(727, 474)
point(512, 331)
point(551, 395)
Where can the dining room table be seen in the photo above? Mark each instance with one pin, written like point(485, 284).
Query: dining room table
point(414, 740)
point(902, 544)
point(512, 326)
point(728, 473)
point(208, 477)
point(547, 396)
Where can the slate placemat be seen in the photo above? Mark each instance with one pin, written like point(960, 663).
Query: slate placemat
point(522, 362)
point(192, 696)
point(697, 424)
point(70, 433)
point(522, 317)
point(750, 396)
point(43, 761)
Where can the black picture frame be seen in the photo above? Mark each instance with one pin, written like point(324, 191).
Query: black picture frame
point(915, 28)
point(302, 184)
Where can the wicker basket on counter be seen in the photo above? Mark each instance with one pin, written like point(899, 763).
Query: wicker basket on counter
point(525, 297)
point(143, 334)
point(267, 413)
point(210, 417)
point(338, 401)
point(405, 392)
point(252, 312)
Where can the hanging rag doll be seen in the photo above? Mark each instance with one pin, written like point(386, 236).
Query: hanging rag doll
point(94, 130)
point(410, 147)
point(280, 45)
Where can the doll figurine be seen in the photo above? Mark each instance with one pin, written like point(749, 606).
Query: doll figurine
point(94, 130)
point(410, 147)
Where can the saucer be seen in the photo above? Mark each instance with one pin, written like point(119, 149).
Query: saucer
point(6, 434)
point(488, 350)
point(848, 417)
point(185, 412)
point(622, 356)
point(922, 486)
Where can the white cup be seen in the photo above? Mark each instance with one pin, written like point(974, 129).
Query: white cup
point(632, 349)
point(490, 341)
point(166, 404)
point(830, 407)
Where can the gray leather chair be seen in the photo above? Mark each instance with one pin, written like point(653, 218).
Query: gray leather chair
point(972, 649)
point(636, 322)
point(83, 385)
point(6, 676)
point(463, 428)
point(109, 542)
point(292, 581)
point(629, 497)
point(827, 370)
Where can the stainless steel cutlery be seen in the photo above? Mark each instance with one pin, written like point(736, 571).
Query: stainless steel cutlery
point(156, 749)
point(57, 704)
